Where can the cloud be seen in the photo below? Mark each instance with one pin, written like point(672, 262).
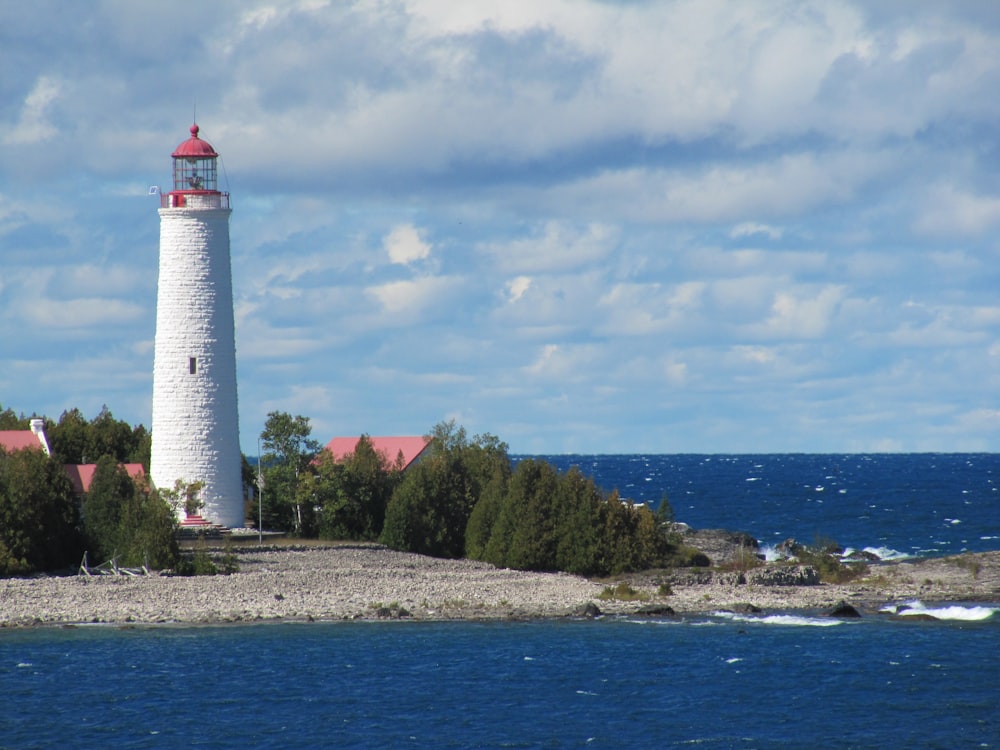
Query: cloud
point(554, 247)
point(584, 225)
point(33, 125)
point(411, 300)
point(749, 229)
point(950, 210)
point(405, 246)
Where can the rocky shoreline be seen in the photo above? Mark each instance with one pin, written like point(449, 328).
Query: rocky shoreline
point(353, 582)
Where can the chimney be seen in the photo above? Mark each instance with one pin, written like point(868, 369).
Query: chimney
point(38, 427)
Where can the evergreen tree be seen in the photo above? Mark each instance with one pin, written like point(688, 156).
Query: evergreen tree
point(431, 508)
point(353, 493)
point(111, 489)
point(38, 514)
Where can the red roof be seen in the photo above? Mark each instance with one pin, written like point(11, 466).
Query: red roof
point(194, 147)
point(81, 475)
point(390, 447)
point(15, 440)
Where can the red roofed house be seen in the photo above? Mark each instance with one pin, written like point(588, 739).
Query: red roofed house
point(16, 440)
point(390, 447)
point(81, 475)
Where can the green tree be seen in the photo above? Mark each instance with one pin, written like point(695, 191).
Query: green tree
point(111, 488)
point(430, 509)
point(77, 441)
point(122, 520)
point(38, 515)
point(149, 531)
point(11, 421)
point(524, 535)
point(353, 493)
point(68, 437)
point(107, 436)
point(288, 451)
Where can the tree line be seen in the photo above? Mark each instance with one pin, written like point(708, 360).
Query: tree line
point(464, 497)
point(44, 526)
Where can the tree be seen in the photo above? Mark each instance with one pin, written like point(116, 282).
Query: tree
point(111, 488)
point(123, 520)
point(38, 515)
point(353, 493)
point(68, 437)
point(430, 510)
point(149, 531)
point(11, 421)
point(77, 441)
point(288, 451)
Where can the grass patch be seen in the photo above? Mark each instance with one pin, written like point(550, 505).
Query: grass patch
point(623, 593)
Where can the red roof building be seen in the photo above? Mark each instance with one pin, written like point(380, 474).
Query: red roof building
point(81, 475)
point(16, 440)
point(390, 447)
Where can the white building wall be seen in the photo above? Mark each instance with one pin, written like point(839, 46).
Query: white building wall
point(195, 417)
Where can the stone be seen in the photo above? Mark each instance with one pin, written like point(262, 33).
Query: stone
point(588, 610)
point(844, 610)
point(656, 610)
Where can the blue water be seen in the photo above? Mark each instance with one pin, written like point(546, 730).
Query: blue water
point(782, 680)
point(916, 504)
point(709, 682)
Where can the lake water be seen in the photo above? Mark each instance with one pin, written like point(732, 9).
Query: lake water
point(782, 680)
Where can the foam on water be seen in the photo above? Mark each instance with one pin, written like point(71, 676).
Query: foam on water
point(785, 620)
point(973, 613)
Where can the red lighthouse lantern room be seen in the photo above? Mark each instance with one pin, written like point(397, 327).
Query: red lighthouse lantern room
point(196, 176)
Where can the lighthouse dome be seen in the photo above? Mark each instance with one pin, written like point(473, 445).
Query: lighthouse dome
point(194, 147)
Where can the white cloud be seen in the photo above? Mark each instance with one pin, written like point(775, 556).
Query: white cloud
point(555, 247)
point(405, 245)
point(750, 228)
point(609, 226)
point(407, 301)
point(950, 210)
point(33, 124)
point(517, 287)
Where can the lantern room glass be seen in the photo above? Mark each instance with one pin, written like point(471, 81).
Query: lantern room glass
point(194, 173)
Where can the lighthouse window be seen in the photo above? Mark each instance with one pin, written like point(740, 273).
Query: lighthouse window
point(193, 365)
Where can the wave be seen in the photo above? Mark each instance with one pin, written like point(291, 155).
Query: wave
point(850, 554)
point(786, 620)
point(916, 608)
point(882, 553)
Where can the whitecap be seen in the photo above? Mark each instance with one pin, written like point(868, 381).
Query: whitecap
point(972, 613)
point(24, 664)
point(786, 620)
point(733, 660)
point(887, 553)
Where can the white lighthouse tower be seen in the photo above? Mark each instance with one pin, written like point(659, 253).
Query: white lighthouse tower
point(195, 416)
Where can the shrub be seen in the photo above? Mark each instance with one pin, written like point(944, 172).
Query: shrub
point(622, 593)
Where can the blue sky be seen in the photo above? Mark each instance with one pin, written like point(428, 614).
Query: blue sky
point(583, 227)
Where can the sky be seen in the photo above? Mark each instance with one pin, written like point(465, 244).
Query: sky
point(582, 227)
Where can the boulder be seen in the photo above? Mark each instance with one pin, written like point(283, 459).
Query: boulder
point(656, 610)
point(844, 610)
point(588, 610)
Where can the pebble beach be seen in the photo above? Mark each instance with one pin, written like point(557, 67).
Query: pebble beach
point(372, 582)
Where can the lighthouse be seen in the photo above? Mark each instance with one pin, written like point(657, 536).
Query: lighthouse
point(195, 416)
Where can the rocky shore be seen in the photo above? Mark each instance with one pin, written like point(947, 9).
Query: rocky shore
point(372, 582)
